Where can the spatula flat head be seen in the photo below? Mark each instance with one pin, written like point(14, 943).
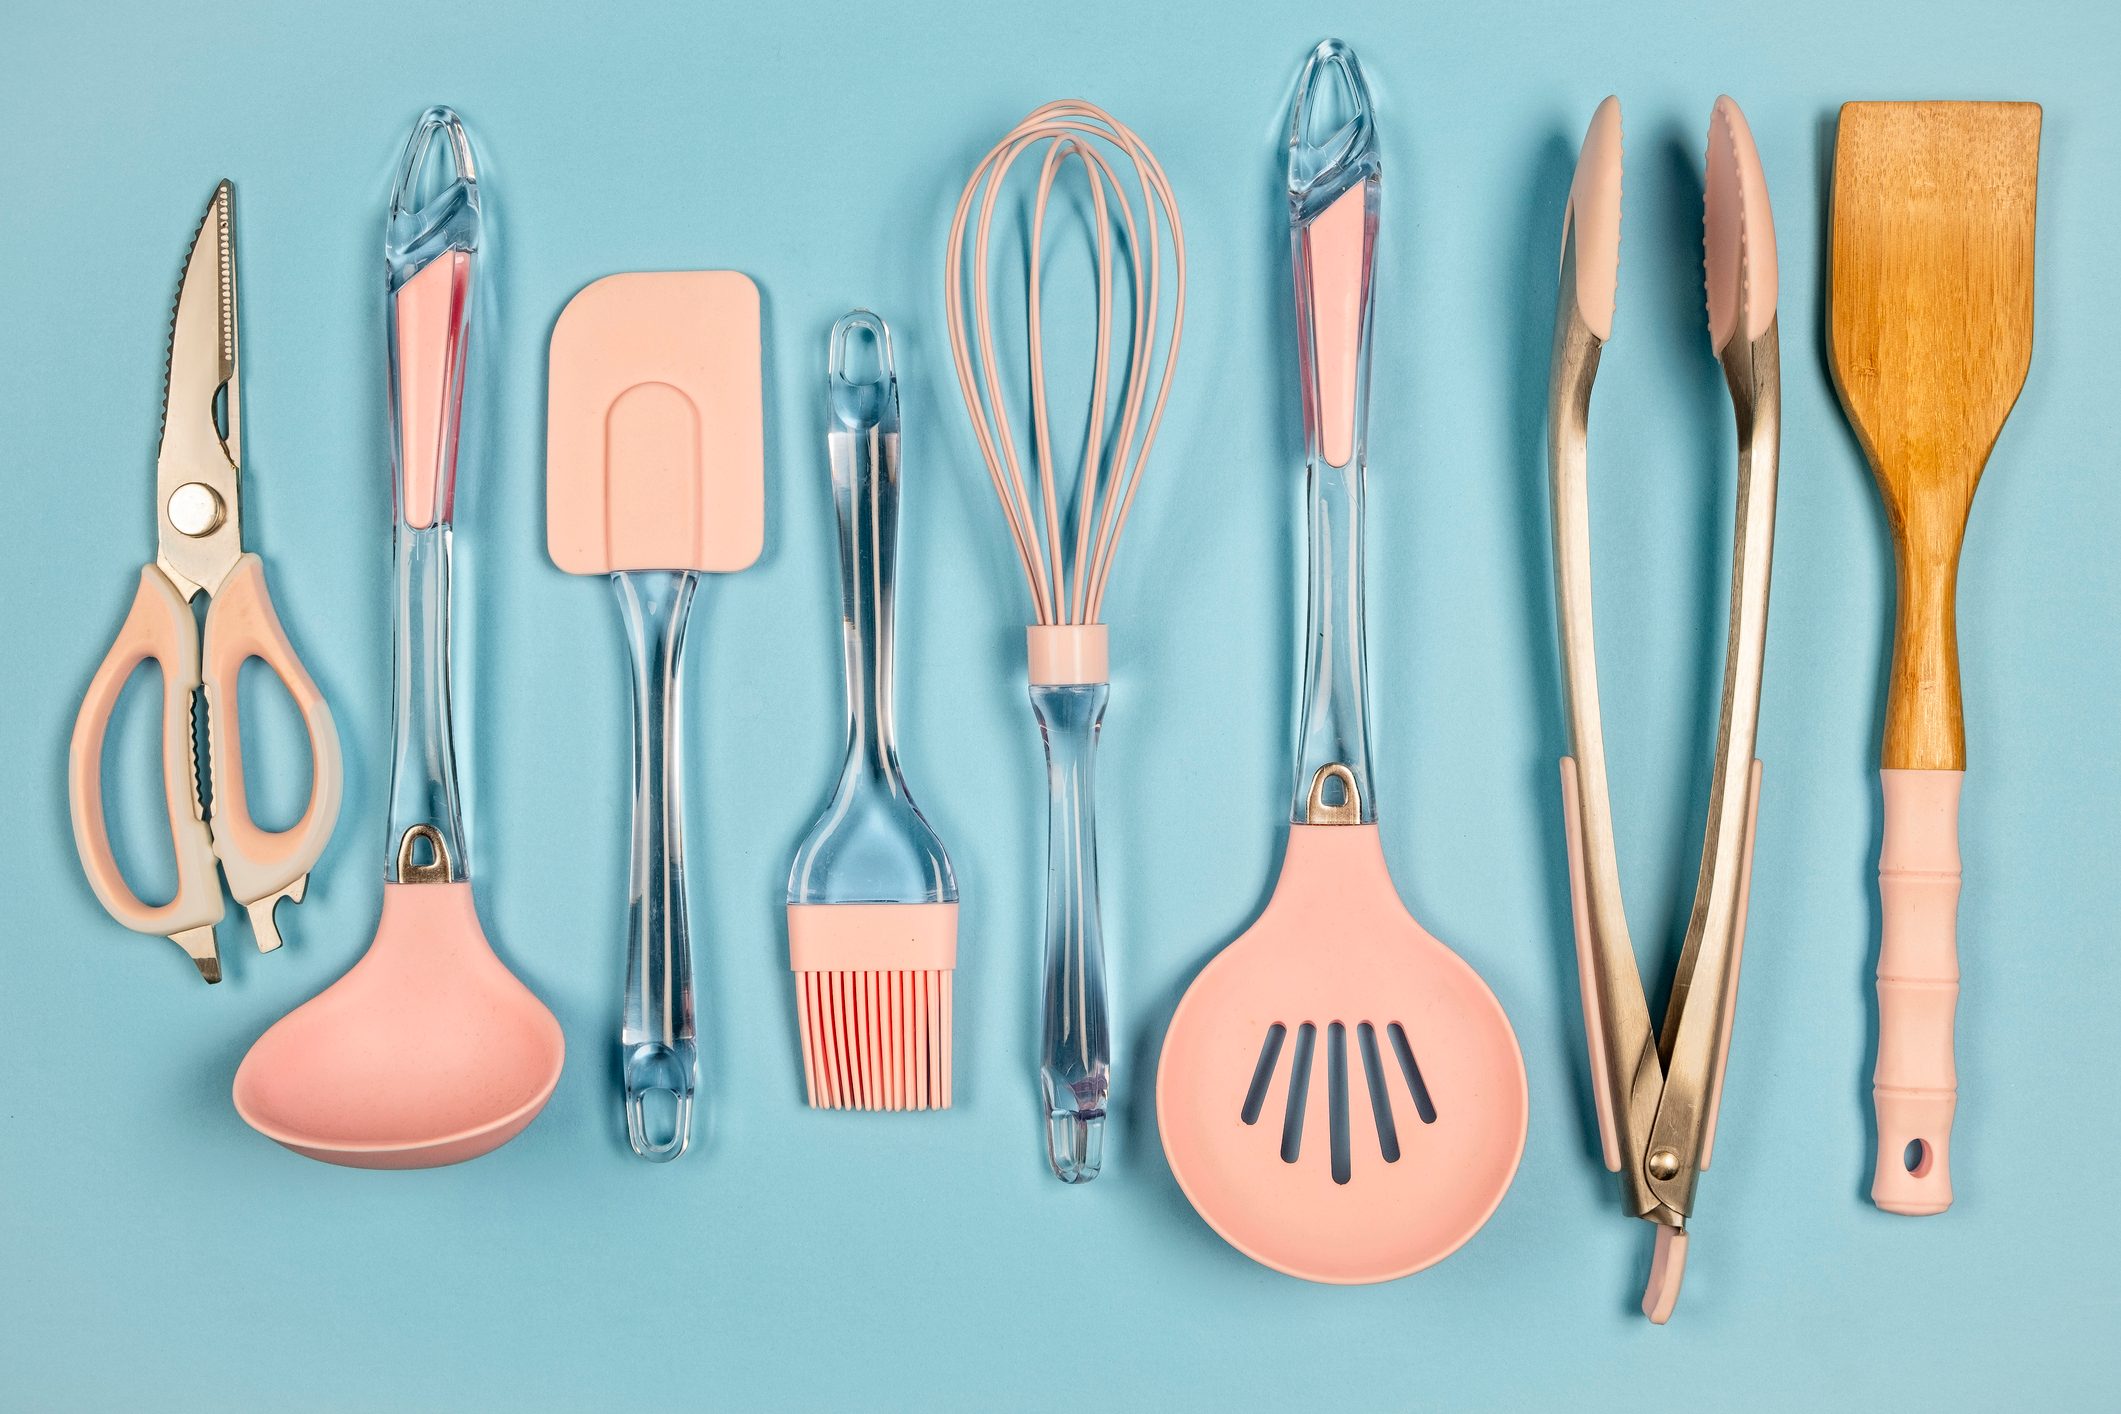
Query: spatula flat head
point(1930, 309)
point(655, 446)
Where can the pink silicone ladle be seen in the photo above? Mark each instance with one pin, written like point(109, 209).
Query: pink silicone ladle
point(428, 1051)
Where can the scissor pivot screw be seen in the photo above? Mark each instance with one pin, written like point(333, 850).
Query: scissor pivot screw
point(1664, 1164)
point(195, 509)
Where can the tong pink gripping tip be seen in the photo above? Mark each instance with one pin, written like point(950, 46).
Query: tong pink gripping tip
point(1593, 220)
point(1738, 240)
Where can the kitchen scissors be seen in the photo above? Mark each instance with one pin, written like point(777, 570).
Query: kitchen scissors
point(199, 552)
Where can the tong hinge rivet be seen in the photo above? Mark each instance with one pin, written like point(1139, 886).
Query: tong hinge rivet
point(1664, 1164)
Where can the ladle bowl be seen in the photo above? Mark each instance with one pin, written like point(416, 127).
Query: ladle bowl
point(427, 1052)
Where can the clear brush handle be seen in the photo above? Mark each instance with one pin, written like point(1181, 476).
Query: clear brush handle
point(1075, 1059)
point(872, 844)
point(659, 1051)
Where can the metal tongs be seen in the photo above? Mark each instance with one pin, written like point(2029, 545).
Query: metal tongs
point(1657, 1093)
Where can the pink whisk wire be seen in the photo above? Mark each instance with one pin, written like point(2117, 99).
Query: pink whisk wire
point(1065, 589)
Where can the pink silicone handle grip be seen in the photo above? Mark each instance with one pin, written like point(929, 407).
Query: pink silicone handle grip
point(1915, 1086)
point(241, 625)
point(433, 316)
point(1335, 253)
point(159, 627)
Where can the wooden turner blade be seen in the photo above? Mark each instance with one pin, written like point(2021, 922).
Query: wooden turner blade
point(1929, 334)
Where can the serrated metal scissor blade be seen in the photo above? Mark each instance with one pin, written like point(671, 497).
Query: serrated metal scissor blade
point(196, 469)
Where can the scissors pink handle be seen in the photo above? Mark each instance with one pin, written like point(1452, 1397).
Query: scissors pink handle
point(261, 865)
point(158, 627)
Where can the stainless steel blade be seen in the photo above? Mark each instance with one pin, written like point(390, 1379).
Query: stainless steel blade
point(196, 469)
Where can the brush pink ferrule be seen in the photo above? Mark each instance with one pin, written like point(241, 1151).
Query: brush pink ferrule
point(1916, 1086)
point(1068, 655)
point(873, 985)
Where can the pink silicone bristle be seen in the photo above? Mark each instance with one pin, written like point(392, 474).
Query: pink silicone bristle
point(875, 1039)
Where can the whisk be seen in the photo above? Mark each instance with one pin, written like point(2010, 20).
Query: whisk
point(1067, 540)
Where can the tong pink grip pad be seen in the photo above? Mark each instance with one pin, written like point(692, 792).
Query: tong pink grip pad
point(1916, 1086)
point(242, 625)
point(1738, 226)
point(432, 310)
point(1594, 219)
point(655, 436)
point(1337, 271)
point(158, 626)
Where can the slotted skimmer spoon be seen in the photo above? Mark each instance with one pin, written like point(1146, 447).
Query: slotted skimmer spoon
point(1340, 1095)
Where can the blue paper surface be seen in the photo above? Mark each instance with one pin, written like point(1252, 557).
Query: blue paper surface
point(155, 1253)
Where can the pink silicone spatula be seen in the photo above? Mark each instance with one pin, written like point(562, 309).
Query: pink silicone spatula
point(656, 472)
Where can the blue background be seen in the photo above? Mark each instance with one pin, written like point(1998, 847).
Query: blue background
point(155, 1252)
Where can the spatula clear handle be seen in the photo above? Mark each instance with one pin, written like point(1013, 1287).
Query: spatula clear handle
point(659, 1054)
point(1075, 1059)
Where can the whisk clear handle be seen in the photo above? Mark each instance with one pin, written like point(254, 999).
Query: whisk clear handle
point(1075, 1060)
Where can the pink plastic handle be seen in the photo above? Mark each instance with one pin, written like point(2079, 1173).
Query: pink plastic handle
point(433, 317)
point(1336, 261)
point(159, 626)
point(1916, 1086)
point(241, 625)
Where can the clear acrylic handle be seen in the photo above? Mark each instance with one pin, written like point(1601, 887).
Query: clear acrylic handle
point(1075, 1060)
point(659, 1050)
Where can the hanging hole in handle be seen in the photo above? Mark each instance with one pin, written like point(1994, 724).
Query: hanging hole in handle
point(423, 857)
point(434, 205)
point(1330, 124)
point(421, 181)
point(1917, 1158)
point(860, 377)
point(1334, 799)
point(658, 1123)
point(659, 1084)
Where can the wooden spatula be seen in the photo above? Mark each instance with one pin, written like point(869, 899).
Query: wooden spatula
point(1930, 330)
